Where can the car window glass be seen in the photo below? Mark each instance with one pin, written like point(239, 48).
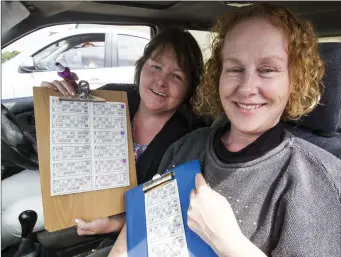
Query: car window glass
point(130, 48)
point(84, 56)
point(31, 59)
point(204, 39)
point(329, 39)
point(49, 51)
point(78, 52)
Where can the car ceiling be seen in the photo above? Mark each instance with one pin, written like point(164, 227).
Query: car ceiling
point(326, 16)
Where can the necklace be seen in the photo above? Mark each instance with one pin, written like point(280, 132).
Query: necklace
point(138, 148)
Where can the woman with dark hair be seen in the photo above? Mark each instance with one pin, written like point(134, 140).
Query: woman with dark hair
point(166, 76)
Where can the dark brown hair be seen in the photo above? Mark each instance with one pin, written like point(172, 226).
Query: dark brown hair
point(187, 51)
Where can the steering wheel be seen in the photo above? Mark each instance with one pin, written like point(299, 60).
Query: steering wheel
point(18, 147)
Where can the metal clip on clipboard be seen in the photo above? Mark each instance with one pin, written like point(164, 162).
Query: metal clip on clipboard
point(83, 94)
point(158, 181)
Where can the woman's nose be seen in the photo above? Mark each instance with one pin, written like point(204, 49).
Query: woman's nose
point(161, 80)
point(248, 84)
point(160, 83)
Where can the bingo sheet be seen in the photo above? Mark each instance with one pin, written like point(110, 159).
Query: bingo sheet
point(165, 228)
point(88, 146)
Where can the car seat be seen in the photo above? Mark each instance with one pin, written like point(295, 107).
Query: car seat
point(322, 126)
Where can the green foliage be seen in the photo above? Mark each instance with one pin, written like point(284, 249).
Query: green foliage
point(8, 55)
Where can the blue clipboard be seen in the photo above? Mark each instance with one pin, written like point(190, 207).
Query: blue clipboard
point(136, 218)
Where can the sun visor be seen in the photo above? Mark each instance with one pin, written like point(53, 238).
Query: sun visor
point(12, 14)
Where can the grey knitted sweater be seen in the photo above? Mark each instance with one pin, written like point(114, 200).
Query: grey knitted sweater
point(287, 202)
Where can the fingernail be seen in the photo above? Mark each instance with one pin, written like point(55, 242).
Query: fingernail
point(66, 93)
point(76, 221)
point(73, 94)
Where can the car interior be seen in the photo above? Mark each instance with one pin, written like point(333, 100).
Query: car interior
point(322, 127)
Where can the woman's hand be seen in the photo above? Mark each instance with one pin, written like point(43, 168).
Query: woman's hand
point(100, 226)
point(212, 218)
point(62, 86)
point(120, 247)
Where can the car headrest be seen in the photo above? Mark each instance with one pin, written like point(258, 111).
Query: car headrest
point(325, 119)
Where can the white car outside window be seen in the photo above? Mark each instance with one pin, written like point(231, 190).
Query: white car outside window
point(98, 55)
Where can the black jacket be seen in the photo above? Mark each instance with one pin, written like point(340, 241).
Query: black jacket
point(175, 128)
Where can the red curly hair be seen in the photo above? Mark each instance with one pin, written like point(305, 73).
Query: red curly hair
point(306, 68)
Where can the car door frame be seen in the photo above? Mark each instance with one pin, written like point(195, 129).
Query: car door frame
point(114, 50)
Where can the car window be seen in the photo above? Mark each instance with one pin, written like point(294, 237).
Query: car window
point(31, 59)
point(204, 39)
point(130, 48)
point(49, 51)
point(78, 52)
point(84, 56)
point(329, 39)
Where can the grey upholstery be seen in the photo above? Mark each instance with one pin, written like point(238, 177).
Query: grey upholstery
point(322, 126)
point(330, 144)
point(327, 116)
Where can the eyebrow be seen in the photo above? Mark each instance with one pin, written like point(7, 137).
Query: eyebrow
point(268, 58)
point(273, 57)
point(230, 59)
point(176, 69)
point(155, 60)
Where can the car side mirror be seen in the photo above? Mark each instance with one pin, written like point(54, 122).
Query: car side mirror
point(28, 65)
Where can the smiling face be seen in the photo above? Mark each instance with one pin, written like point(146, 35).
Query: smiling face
point(163, 85)
point(254, 84)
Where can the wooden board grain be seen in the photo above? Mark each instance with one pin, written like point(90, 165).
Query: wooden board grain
point(60, 211)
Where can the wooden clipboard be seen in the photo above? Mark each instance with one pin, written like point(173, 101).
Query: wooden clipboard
point(60, 211)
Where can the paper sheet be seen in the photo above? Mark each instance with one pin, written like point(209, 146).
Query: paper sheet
point(88, 146)
point(165, 228)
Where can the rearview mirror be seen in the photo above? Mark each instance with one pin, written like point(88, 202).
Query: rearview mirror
point(28, 65)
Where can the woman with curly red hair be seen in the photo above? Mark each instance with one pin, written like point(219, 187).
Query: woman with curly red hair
point(268, 193)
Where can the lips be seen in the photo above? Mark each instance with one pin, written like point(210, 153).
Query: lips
point(159, 93)
point(249, 107)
